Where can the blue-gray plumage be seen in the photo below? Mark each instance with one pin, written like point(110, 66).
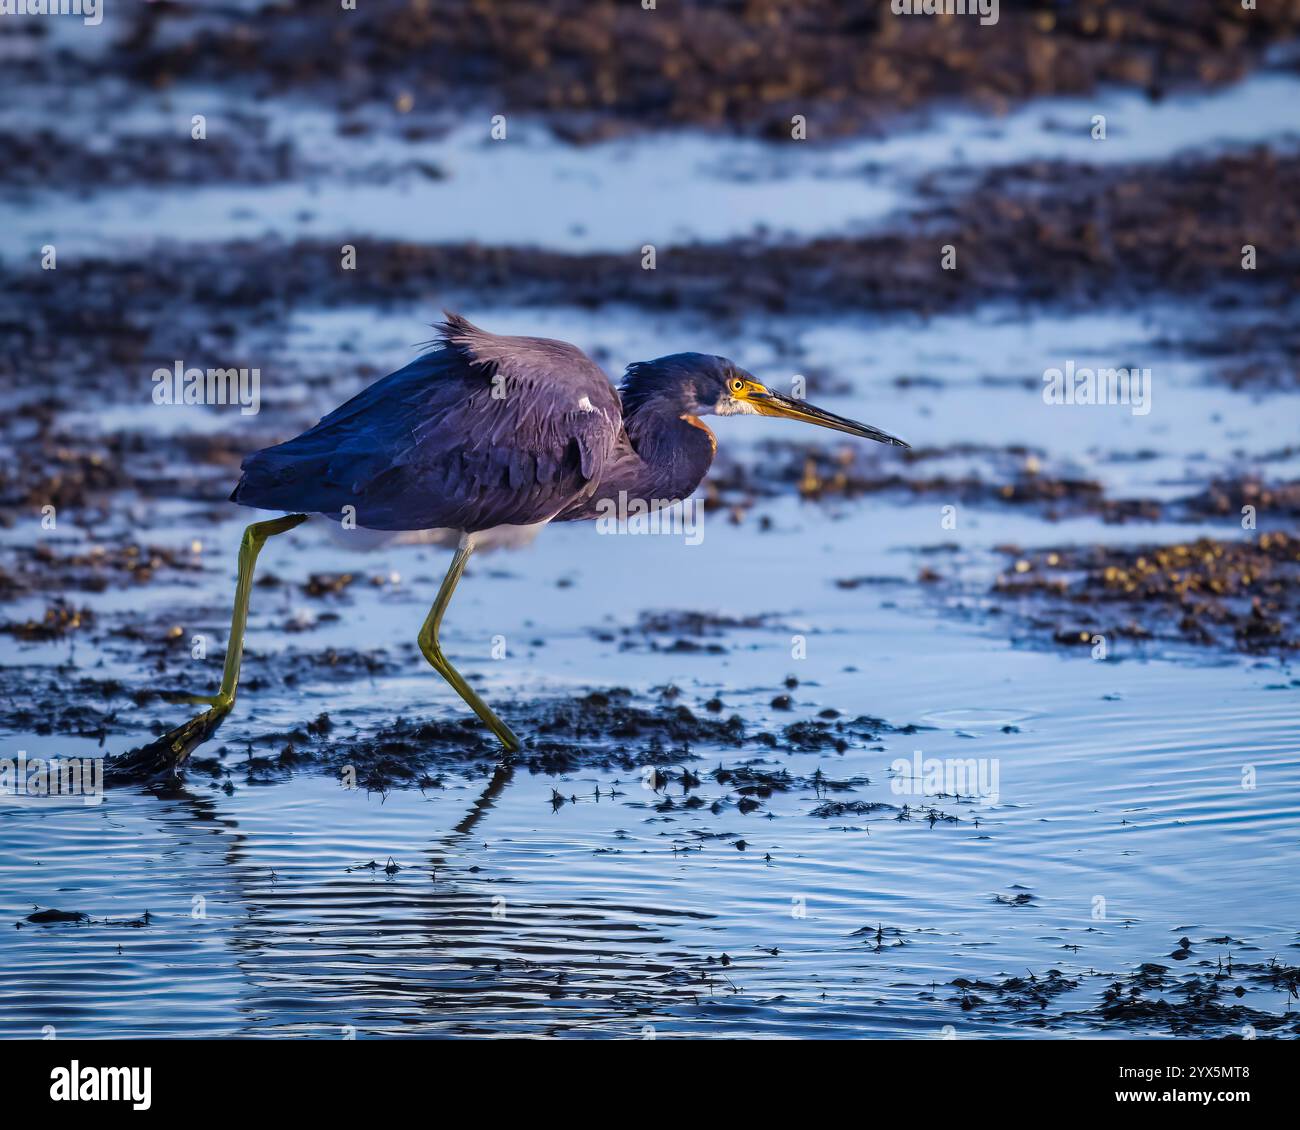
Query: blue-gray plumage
point(489, 433)
point(484, 431)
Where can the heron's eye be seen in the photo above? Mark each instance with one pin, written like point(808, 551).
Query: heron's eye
point(737, 385)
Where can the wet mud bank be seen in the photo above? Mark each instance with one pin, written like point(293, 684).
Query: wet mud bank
point(1236, 595)
point(608, 67)
point(1076, 236)
point(610, 729)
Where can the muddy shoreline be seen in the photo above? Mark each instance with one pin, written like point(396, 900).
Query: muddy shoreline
point(606, 67)
point(1075, 236)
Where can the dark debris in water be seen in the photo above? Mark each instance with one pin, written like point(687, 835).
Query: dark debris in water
point(43, 159)
point(1018, 994)
point(881, 936)
point(682, 631)
point(50, 916)
point(1018, 480)
point(1242, 595)
point(1209, 1000)
point(1228, 498)
point(61, 618)
point(1214, 999)
point(832, 809)
point(607, 729)
point(41, 567)
point(1022, 898)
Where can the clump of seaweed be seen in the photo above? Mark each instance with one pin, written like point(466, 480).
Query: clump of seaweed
point(1240, 594)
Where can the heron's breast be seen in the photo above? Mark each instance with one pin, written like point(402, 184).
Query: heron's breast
point(696, 422)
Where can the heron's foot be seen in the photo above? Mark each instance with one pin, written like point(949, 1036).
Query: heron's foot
point(505, 735)
point(163, 756)
point(183, 699)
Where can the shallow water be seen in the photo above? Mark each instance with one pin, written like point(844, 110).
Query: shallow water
point(1123, 781)
point(613, 196)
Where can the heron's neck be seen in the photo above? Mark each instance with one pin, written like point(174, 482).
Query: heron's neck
point(676, 449)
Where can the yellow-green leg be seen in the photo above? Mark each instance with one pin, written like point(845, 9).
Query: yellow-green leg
point(432, 650)
point(180, 742)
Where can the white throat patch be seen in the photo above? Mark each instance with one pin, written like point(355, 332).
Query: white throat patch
point(730, 406)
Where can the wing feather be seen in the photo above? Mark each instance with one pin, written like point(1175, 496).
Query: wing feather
point(484, 431)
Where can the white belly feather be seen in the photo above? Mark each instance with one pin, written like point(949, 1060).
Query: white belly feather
point(366, 541)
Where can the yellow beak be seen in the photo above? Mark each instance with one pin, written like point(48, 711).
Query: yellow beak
point(769, 403)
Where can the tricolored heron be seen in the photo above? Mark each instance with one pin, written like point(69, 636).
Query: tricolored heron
point(486, 439)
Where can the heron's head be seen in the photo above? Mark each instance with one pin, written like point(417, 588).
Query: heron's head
point(700, 384)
